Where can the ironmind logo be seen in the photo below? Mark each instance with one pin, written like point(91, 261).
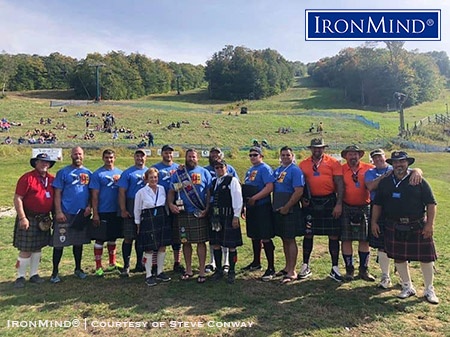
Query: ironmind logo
point(373, 25)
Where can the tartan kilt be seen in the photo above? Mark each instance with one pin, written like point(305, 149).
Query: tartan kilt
point(415, 249)
point(64, 235)
point(154, 231)
point(175, 229)
point(379, 241)
point(31, 240)
point(321, 211)
point(290, 225)
point(228, 236)
point(129, 227)
point(191, 228)
point(355, 233)
point(259, 222)
point(110, 228)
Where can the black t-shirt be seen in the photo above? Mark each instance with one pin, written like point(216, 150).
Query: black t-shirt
point(400, 199)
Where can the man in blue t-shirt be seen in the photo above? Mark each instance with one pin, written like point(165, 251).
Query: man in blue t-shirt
point(72, 209)
point(131, 181)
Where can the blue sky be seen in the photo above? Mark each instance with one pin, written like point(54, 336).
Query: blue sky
point(188, 31)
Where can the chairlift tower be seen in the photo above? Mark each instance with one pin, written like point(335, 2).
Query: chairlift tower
point(401, 99)
point(97, 79)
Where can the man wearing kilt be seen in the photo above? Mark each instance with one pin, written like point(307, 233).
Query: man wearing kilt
point(216, 154)
point(288, 217)
point(33, 202)
point(153, 228)
point(225, 210)
point(106, 223)
point(355, 219)
point(258, 185)
point(192, 182)
point(322, 205)
point(72, 211)
point(130, 182)
point(372, 178)
point(409, 212)
point(166, 168)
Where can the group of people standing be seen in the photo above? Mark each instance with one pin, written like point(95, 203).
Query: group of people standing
point(386, 205)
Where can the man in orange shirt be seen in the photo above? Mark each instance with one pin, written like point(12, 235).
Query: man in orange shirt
point(323, 205)
point(355, 217)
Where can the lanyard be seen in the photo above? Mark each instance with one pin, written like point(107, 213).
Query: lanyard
point(316, 165)
point(279, 175)
point(397, 184)
point(44, 182)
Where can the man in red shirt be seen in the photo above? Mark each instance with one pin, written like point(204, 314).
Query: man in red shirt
point(323, 205)
point(355, 215)
point(33, 202)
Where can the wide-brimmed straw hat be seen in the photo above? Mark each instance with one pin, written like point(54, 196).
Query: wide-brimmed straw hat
point(352, 148)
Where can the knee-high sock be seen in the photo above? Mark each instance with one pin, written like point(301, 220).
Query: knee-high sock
point(307, 249)
point(176, 253)
point(22, 266)
point(256, 245)
point(212, 260)
point(363, 260)
point(348, 260)
point(384, 262)
point(269, 249)
point(112, 253)
point(77, 255)
point(428, 273)
point(218, 258)
point(226, 256)
point(34, 263)
point(98, 252)
point(333, 248)
point(148, 264)
point(56, 259)
point(403, 271)
point(155, 258)
point(233, 260)
point(139, 253)
point(160, 262)
point(126, 253)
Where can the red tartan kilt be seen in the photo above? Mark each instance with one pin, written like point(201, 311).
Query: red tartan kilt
point(415, 249)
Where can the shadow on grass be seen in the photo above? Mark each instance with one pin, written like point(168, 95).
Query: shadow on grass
point(300, 307)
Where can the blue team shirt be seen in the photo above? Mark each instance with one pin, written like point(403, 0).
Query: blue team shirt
point(165, 174)
point(74, 185)
point(288, 178)
point(106, 182)
point(201, 179)
point(132, 180)
point(373, 174)
point(259, 176)
point(230, 171)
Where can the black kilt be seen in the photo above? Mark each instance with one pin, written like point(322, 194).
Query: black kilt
point(416, 248)
point(155, 230)
point(290, 225)
point(175, 229)
point(110, 228)
point(320, 210)
point(228, 236)
point(65, 235)
point(259, 222)
point(31, 240)
point(191, 228)
point(379, 241)
point(351, 232)
point(129, 227)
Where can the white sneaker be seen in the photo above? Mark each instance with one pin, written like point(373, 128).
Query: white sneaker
point(406, 292)
point(430, 295)
point(305, 272)
point(385, 282)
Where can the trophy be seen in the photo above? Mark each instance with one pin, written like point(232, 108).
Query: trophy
point(179, 202)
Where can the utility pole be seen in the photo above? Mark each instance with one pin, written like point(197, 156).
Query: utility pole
point(97, 80)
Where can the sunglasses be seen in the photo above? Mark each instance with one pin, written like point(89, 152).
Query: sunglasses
point(218, 167)
point(253, 155)
point(355, 177)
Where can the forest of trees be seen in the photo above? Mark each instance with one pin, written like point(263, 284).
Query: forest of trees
point(367, 75)
point(240, 73)
point(370, 76)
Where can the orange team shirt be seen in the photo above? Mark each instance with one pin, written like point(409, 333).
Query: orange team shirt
point(355, 192)
point(321, 182)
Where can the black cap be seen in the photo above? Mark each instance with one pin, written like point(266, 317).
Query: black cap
point(256, 149)
point(167, 148)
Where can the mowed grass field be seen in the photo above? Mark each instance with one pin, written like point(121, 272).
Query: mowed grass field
point(317, 306)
